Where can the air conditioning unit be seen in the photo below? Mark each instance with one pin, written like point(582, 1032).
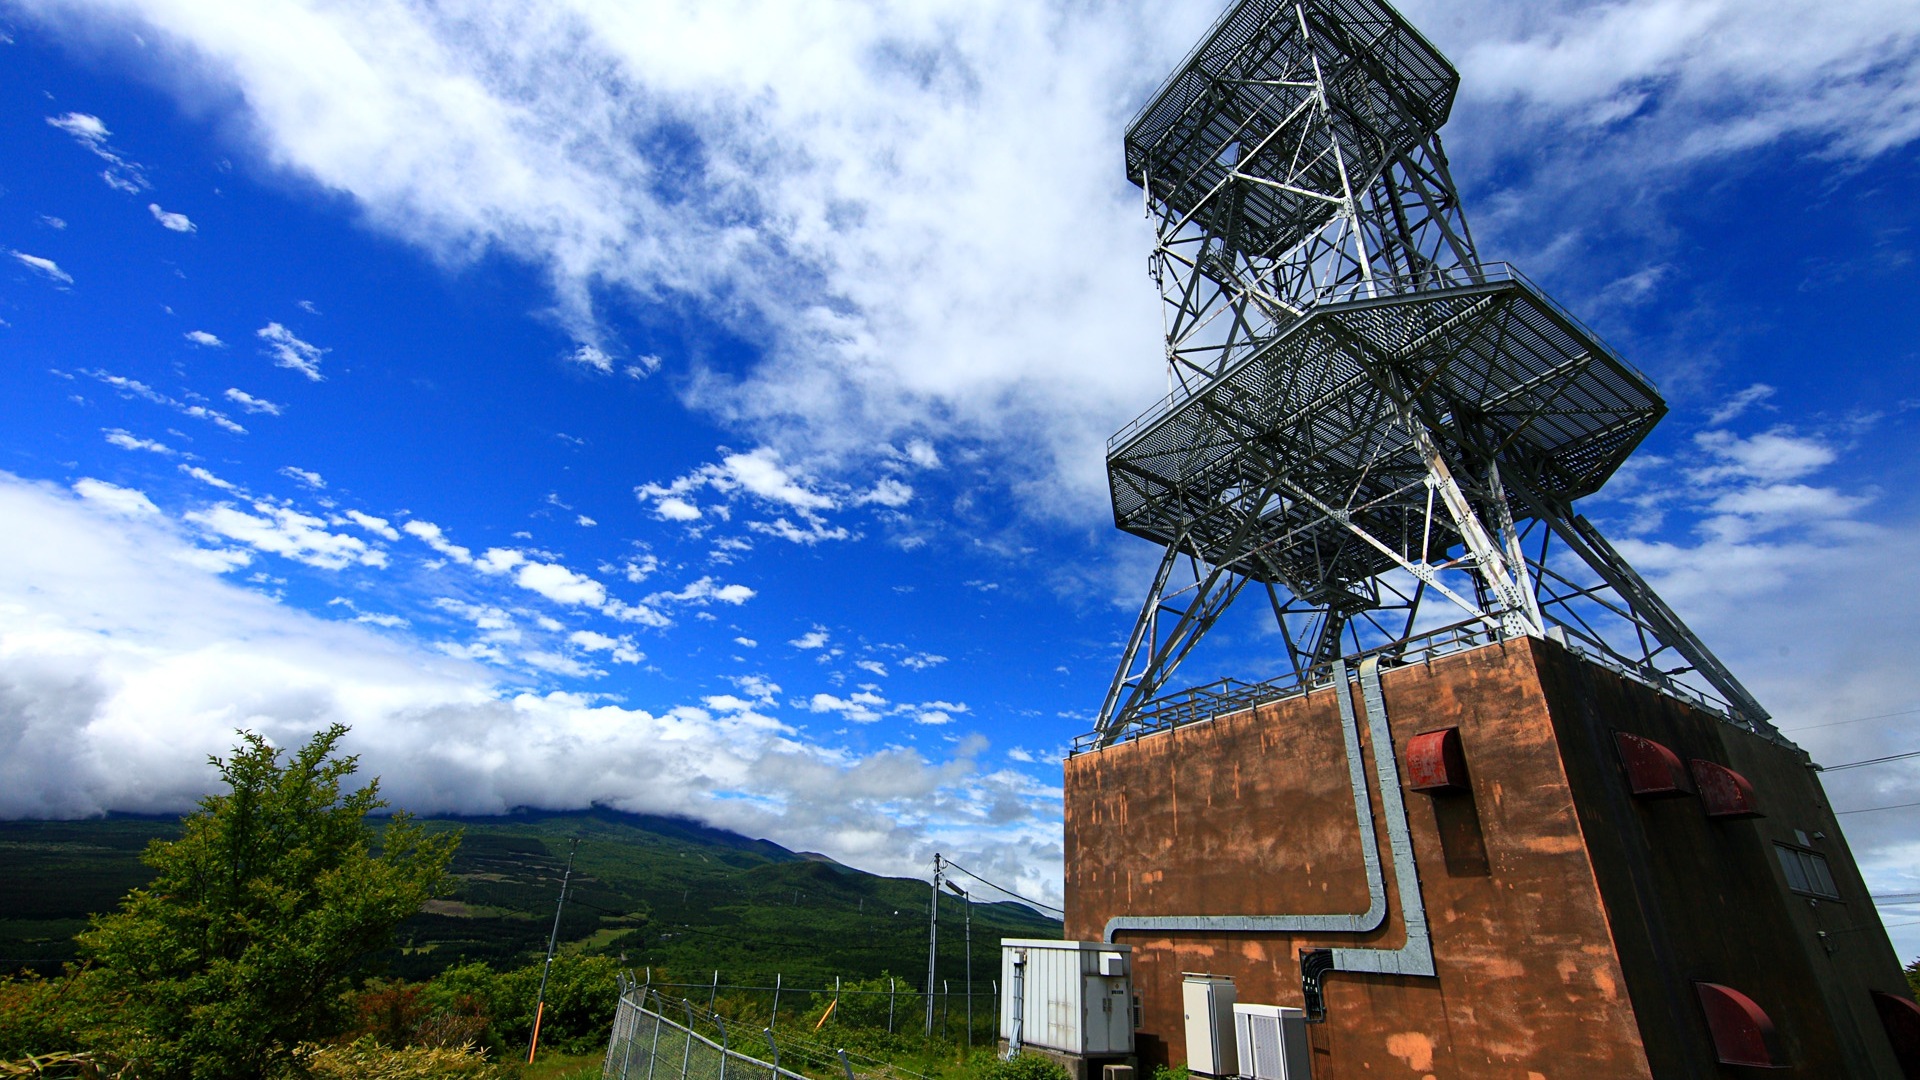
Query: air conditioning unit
point(1272, 1040)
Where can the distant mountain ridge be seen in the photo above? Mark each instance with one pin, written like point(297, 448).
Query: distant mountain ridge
point(660, 890)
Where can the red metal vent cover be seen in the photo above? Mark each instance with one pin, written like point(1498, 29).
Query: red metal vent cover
point(1653, 771)
point(1742, 1032)
point(1901, 1017)
point(1435, 762)
point(1723, 792)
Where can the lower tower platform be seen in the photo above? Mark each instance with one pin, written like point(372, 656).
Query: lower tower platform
point(1505, 862)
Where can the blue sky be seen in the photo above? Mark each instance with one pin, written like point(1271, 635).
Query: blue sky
point(700, 408)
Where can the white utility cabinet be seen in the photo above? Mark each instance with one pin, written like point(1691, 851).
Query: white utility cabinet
point(1273, 1042)
point(1075, 997)
point(1209, 1007)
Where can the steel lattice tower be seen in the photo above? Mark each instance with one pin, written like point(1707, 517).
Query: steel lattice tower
point(1366, 422)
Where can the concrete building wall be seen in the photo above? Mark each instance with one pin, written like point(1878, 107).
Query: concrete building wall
point(1569, 919)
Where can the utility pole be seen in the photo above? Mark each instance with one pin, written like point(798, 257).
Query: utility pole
point(966, 902)
point(933, 936)
point(540, 1003)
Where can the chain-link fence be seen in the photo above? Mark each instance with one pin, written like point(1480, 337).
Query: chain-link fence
point(656, 1037)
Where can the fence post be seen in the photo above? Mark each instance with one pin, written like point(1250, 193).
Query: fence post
point(776, 1055)
point(774, 1021)
point(890, 982)
point(845, 1064)
point(633, 1032)
point(653, 1055)
point(946, 1006)
point(724, 1053)
point(715, 993)
point(686, 1058)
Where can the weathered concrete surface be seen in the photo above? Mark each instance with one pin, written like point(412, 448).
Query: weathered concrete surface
point(1568, 919)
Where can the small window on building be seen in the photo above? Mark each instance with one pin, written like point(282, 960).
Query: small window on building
point(1136, 1010)
point(1806, 872)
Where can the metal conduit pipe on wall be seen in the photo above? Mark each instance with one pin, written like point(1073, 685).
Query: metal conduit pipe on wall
point(1415, 956)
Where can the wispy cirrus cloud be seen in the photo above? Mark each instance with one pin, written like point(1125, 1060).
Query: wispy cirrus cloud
point(289, 352)
point(46, 268)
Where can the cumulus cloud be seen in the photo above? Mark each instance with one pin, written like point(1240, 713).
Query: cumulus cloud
point(376, 525)
point(117, 706)
point(431, 535)
point(204, 339)
point(115, 499)
point(168, 220)
point(286, 532)
point(705, 591)
point(289, 352)
point(762, 480)
point(815, 638)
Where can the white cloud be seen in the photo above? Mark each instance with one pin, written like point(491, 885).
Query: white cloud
point(921, 661)
point(888, 492)
point(288, 533)
point(585, 522)
point(290, 352)
point(113, 498)
point(874, 666)
point(128, 441)
point(705, 591)
point(250, 403)
point(204, 339)
point(116, 706)
point(815, 638)
point(376, 525)
point(175, 222)
point(499, 560)
point(46, 268)
point(620, 649)
point(1736, 406)
point(134, 388)
point(860, 708)
point(208, 478)
point(305, 476)
point(746, 643)
point(559, 584)
point(52, 222)
point(591, 357)
point(641, 367)
point(428, 533)
point(674, 508)
point(86, 129)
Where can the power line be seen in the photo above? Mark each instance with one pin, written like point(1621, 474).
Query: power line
point(1003, 888)
point(1855, 720)
point(1871, 761)
point(1871, 809)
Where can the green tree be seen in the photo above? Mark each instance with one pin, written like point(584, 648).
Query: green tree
point(260, 913)
point(1913, 976)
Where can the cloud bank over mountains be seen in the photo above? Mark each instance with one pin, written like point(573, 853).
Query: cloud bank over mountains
point(126, 659)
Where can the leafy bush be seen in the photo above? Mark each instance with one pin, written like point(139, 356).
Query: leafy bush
point(1176, 1072)
point(581, 994)
point(258, 915)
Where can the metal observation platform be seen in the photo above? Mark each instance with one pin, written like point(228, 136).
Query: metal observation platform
point(1380, 431)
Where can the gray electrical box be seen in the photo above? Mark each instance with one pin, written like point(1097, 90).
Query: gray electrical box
point(1211, 1049)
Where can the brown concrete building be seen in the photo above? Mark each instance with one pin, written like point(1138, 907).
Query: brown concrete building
point(1596, 906)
